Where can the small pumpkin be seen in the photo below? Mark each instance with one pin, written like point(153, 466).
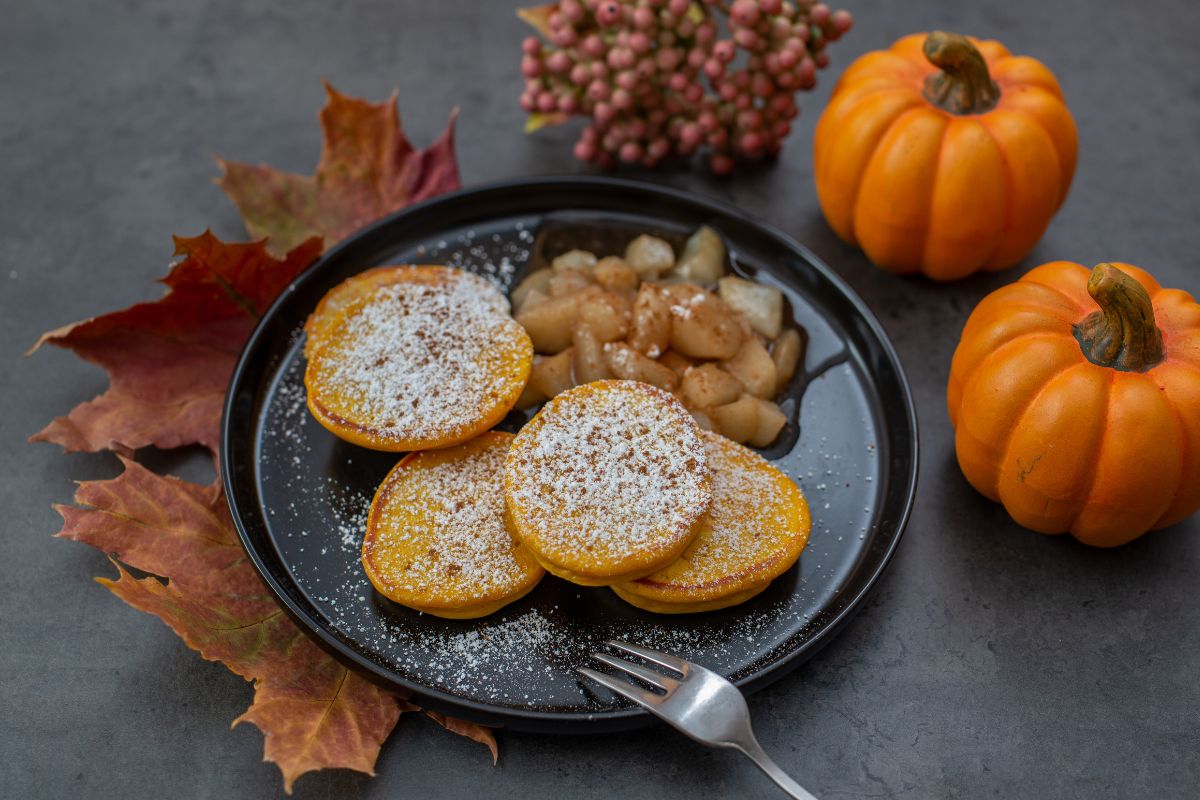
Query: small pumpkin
point(944, 155)
point(1075, 398)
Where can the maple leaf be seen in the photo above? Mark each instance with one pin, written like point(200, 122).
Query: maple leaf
point(169, 361)
point(324, 716)
point(214, 598)
point(314, 712)
point(368, 169)
point(160, 525)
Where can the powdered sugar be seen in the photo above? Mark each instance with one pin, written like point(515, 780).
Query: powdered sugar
point(419, 359)
point(612, 468)
point(437, 530)
point(524, 656)
point(753, 520)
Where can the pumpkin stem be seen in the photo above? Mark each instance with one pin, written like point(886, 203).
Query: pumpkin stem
point(963, 85)
point(1122, 334)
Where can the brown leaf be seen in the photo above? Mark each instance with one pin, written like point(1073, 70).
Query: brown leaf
point(368, 169)
point(165, 526)
point(322, 716)
point(247, 631)
point(313, 712)
point(213, 597)
point(538, 17)
point(169, 361)
point(471, 730)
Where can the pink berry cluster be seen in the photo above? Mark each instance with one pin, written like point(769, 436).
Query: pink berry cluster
point(661, 78)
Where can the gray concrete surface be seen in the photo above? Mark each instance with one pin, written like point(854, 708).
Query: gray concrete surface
point(990, 662)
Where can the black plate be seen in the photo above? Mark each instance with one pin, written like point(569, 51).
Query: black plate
point(299, 495)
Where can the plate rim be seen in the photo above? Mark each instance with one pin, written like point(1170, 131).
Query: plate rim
point(562, 721)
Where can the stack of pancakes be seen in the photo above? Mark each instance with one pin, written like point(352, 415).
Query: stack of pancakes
point(610, 484)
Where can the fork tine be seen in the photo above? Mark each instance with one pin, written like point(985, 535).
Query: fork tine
point(655, 679)
point(643, 697)
point(653, 656)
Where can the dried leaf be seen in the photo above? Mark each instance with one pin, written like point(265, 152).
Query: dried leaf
point(322, 716)
point(160, 525)
point(247, 632)
point(471, 730)
point(538, 17)
point(538, 120)
point(169, 361)
point(313, 711)
point(368, 169)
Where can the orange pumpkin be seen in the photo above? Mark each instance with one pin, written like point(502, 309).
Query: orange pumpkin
point(1076, 401)
point(944, 155)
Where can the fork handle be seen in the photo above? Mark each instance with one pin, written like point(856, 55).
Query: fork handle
point(784, 781)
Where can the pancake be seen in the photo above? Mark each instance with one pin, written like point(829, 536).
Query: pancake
point(755, 530)
point(436, 536)
point(413, 358)
point(339, 297)
point(607, 482)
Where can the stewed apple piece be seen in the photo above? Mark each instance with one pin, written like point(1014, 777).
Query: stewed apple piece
point(702, 325)
point(753, 366)
point(628, 364)
point(552, 375)
point(707, 386)
point(549, 322)
point(650, 256)
point(651, 333)
point(614, 274)
point(762, 306)
point(703, 258)
point(715, 340)
point(786, 352)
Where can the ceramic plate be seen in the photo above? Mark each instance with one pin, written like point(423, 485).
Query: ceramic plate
point(299, 495)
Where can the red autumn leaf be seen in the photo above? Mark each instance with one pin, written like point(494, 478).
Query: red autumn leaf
point(169, 361)
point(368, 169)
point(248, 632)
point(321, 716)
point(313, 712)
point(183, 531)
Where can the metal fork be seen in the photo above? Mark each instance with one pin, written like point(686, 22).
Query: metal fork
point(700, 703)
